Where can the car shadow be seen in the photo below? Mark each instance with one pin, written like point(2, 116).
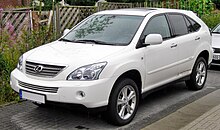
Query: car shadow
point(215, 68)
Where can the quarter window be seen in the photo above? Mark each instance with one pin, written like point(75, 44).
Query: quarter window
point(194, 24)
point(179, 24)
point(189, 26)
point(158, 25)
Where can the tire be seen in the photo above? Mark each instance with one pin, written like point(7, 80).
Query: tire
point(198, 76)
point(123, 102)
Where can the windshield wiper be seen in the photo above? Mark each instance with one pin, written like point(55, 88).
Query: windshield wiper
point(88, 41)
point(66, 40)
point(93, 41)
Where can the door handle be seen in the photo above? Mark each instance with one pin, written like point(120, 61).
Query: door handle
point(197, 38)
point(173, 45)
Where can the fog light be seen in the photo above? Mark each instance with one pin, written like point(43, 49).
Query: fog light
point(80, 94)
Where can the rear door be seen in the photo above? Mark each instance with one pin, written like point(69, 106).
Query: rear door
point(186, 39)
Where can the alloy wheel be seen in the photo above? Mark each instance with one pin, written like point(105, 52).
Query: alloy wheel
point(201, 73)
point(126, 102)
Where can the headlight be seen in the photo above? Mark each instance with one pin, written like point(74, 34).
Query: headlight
point(20, 61)
point(88, 72)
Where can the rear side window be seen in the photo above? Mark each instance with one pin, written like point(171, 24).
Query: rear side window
point(158, 25)
point(179, 24)
point(194, 24)
point(189, 26)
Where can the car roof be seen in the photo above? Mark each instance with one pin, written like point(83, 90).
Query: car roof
point(140, 11)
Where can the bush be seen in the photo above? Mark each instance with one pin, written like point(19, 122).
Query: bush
point(198, 6)
point(47, 4)
point(8, 58)
point(212, 19)
point(11, 48)
point(126, 1)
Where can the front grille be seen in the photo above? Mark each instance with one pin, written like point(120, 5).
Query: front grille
point(38, 88)
point(46, 70)
point(216, 50)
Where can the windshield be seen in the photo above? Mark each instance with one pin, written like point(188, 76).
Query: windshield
point(217, 29)
point(106, 29)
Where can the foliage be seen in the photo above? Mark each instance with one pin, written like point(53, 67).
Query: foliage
point(199, 6)
point(46, 4)
point(212, 19)
point(126, 1)
point(11, 48)
point(8, 55)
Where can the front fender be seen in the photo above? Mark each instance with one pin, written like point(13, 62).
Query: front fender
point(132, 60)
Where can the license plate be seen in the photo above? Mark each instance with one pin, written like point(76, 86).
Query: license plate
point(216, 57)
point(32, 96)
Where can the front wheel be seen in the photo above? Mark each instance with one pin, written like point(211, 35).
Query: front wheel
point(123, 102)
point(198, 76)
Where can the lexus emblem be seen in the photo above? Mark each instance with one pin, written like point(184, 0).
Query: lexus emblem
point(38, 68)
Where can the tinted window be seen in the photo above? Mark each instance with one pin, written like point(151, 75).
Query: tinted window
point(189, 25)
point(158, 25)
point(179, 24)
point(195, 25)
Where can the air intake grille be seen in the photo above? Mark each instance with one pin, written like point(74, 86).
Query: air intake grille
point(216, 50)
point(38, 88)
point(42, 70)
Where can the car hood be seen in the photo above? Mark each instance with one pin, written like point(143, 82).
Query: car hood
point(216, 40)
point(77, 54)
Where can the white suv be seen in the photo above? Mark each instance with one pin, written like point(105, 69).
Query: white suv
point(114, 57)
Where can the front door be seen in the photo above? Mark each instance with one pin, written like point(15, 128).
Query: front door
point(160, 60)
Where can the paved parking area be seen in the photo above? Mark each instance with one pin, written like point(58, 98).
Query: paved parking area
point(155, 106)
point(7, 112)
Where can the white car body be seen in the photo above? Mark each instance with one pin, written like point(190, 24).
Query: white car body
point(156, 65)
point(216, 46)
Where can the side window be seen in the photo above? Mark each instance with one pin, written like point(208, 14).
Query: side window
point(194, 24)
point(189, 25)
point(158, 25)
point(179, 24)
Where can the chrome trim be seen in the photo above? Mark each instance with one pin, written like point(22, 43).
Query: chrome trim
point(45, 70)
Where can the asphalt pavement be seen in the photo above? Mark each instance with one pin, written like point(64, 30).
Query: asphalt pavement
point(152, 109)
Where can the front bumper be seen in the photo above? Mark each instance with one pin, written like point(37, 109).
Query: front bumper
point(96, 92)
point(216, 59)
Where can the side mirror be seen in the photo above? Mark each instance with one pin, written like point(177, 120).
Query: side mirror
point(66, 31)
point(153, 39)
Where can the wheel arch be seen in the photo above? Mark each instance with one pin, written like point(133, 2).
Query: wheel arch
point(135, 75)
point(205, 55)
